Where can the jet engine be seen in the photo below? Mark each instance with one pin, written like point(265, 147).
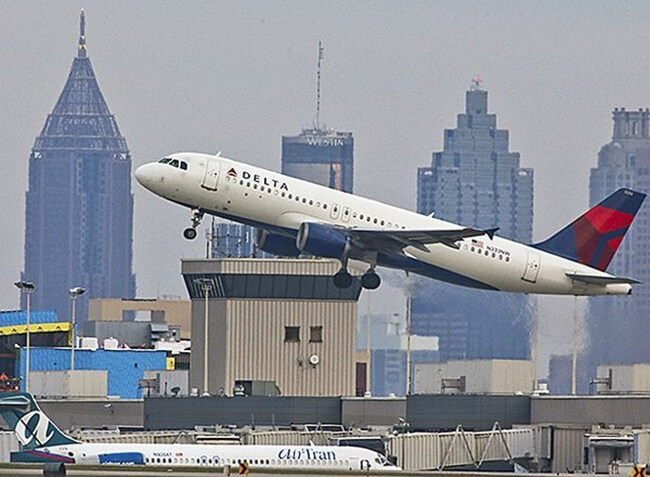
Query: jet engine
point(321, 240)
point(276, 244)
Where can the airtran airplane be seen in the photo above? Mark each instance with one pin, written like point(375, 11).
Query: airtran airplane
point(296, 217)
point(43, 442)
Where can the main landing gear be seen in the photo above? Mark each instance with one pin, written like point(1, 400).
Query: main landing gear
point(190, 232)
point(369, 280)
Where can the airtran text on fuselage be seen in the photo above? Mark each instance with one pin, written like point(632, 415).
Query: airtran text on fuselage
point(264, 180)
point(306, 453)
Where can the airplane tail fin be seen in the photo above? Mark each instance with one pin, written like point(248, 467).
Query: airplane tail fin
point(31, 426)
point(593, 238)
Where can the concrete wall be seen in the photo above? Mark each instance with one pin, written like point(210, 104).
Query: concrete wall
point(586, 411)
point(481, 376)
point(363, 412)
point(80, 383)
point(473, 412)
point(73, 413)
point(185, 413)
point(172, 312)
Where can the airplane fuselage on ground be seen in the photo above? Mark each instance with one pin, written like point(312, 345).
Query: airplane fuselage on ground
point(365, 229)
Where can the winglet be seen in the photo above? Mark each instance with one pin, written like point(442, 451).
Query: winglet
point(490, 232)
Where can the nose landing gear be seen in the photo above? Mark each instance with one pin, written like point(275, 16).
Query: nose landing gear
point(190, 232)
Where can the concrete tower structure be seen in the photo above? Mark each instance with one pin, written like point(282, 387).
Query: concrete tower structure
point(79, 211)
point(476, 181)
point(617, 326)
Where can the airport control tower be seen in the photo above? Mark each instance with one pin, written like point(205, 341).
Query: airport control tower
point(79, 211)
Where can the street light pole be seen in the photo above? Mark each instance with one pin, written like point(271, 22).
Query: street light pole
point(206, 286)
point(27, 288)
point(74, 293)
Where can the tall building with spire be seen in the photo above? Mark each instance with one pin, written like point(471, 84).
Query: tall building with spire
point(478, 182)
point(79, 210)
point(617, 327)
point(319, 154)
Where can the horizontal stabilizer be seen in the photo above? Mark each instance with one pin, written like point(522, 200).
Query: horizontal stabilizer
point(600, 280)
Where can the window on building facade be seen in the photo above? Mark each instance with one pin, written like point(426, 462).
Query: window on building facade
point(292, 334)
point(315, 334)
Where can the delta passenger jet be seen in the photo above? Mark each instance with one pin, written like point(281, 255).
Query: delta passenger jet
point(296, 217)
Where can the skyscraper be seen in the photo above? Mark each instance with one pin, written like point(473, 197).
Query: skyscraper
point(79, 210)
point(319, 154)
point(618, 326)
point(476, 181)
point(322, 156)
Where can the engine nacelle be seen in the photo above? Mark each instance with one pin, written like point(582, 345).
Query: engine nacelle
point(276, 244)
point(321, 240)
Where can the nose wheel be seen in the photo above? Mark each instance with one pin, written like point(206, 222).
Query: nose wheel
point(190, 232)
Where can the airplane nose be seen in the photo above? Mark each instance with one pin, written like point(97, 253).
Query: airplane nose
point(143, 175)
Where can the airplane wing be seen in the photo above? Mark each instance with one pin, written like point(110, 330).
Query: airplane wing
point(396, 240)
point(600, 280)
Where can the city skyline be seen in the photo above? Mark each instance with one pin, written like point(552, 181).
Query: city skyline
point(219, 76)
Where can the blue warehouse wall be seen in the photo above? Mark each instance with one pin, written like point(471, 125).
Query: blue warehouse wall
point(125, 367)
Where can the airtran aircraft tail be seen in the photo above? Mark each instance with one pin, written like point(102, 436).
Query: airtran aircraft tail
point(593, 238)
point(31, 426)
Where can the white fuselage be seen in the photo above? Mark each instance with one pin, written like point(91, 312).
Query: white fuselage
point(197, 455)
point(279, 203)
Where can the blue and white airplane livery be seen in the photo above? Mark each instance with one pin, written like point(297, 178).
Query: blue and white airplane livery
point(294, 216)
point(44, 442)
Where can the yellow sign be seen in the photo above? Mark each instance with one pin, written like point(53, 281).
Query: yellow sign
point(171, 364)
point(638, 471)
point(243, 468)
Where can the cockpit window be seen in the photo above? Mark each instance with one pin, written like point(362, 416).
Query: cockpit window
point(165, 160)
point(184, 165)
point(174, 163)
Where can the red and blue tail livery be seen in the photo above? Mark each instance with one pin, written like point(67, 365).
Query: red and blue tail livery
point(593, 238)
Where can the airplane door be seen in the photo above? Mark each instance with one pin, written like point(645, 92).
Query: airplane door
point(532, 267)
point(346, 214)
point(211, 175)
point(335, 211)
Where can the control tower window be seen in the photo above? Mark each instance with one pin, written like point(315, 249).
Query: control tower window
point(315, 334)
point(292, 334)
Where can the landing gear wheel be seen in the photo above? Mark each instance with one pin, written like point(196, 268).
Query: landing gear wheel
point(370, 280)
point(342, 279)
point(189, 233)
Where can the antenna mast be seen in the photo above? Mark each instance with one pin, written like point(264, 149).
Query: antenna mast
point(320, 59)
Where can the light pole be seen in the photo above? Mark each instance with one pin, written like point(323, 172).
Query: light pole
point(74, 293)
point(206, 286)
point(27, 288)
point(408, 345)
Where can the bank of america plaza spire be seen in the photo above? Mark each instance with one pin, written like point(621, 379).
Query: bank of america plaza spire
point(79, 205)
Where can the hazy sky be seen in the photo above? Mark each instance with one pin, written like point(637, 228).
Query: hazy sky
point(235, 76)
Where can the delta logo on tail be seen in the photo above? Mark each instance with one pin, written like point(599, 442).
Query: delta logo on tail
point(593, 238)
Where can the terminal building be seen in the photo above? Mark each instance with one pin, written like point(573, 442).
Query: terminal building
point(278, 325)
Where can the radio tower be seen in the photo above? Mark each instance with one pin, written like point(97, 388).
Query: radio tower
point(320, 59)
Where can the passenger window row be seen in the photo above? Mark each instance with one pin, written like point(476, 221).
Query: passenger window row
point(311, 202)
